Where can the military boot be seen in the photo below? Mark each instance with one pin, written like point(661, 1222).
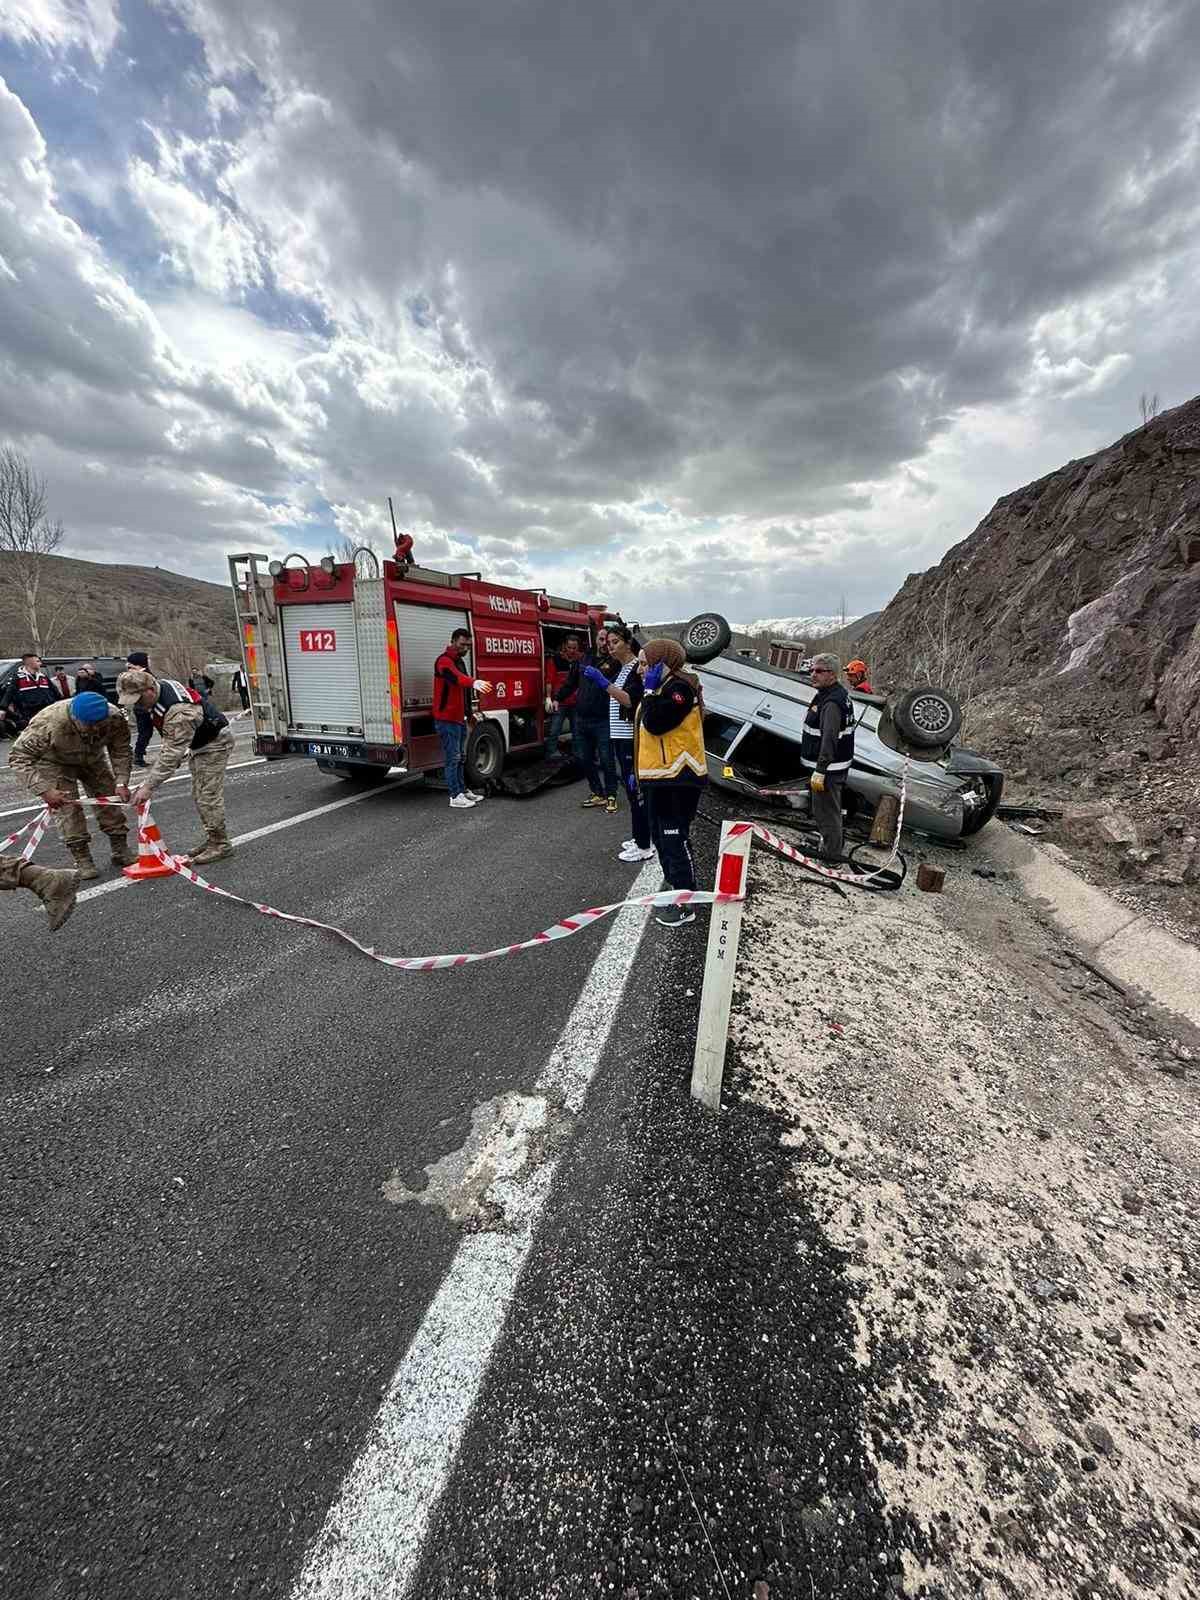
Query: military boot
point(218, 847)
point(83, 861)
point(122, 855)
point(56, 888)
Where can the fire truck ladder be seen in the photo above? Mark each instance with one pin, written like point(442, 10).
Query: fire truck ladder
point(254, 601)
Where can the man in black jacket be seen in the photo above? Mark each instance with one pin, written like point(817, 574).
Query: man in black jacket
point(89, 681)
point(592, 739)
point(826, 751)
point(27, 692)
point(145, 722)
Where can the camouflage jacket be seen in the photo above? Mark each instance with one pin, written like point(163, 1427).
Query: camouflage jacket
point(178, 729)
point(54, 739)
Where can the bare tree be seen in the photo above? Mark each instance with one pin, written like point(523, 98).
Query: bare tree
point(28, 536)
point(178, 653)
point(1148, 406)
point(943, 658)
point(349, 553)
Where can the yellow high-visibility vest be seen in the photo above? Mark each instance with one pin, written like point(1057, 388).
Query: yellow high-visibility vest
point(667, 755)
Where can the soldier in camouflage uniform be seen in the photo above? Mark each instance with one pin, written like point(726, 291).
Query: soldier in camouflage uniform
point(55, 887)
point(189, 725)
point(83, 741)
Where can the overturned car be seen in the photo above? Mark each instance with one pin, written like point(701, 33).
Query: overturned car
point(752, 724)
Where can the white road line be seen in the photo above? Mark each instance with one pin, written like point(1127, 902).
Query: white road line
point(234, 766)
point(371, 1540)
point(256, 833)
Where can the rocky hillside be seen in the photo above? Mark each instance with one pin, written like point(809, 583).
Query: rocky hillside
point(92, 608)
point(1088, 578)
point(1069, 624)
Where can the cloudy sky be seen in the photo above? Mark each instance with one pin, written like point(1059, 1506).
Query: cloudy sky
point(676, 303)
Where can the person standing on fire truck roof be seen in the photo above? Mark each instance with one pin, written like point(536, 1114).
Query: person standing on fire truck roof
point(188, 725)
point(450, 687)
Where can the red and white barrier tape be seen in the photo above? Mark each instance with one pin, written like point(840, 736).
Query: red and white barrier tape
point(39, 825)
point(559, 930)
point(822, 868)
point(562, 929)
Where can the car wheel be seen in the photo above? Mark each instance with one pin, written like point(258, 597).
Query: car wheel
point(485, 755)
point(705, 637)
point(988, 791)
point(353, 772)
point(927, 717)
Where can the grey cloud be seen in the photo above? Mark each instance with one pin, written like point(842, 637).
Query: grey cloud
point(745, 263)
point(707, 250)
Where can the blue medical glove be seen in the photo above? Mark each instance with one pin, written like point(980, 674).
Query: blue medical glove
point(655, 676)
point(596, 676)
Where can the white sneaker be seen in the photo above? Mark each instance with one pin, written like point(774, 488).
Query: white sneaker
point(471, 795)
point(637, 855)
point(461, 803)
point(628, 844)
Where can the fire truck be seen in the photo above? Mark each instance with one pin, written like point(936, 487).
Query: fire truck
point(339, 661)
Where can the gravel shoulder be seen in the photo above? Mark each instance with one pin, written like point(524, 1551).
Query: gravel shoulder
point(1003, 1152)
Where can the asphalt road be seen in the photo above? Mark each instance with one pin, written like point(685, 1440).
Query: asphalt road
point(205, 1290)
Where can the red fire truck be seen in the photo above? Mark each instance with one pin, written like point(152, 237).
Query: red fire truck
point(339, 661)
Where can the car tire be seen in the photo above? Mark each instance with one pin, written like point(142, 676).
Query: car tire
point(353, 772)
point(979, 817)
point(706, 637)
point(928, 718)
point(484, 759)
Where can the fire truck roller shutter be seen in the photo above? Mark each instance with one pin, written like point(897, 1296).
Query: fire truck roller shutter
point(320, 649)
point(423, 633)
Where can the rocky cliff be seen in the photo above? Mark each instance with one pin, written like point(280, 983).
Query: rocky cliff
point(1089, 578)
point(1069, 624)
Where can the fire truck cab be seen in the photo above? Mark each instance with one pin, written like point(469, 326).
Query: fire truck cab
point(339, 661)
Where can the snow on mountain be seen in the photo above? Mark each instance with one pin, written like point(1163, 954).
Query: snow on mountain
point(794, 627)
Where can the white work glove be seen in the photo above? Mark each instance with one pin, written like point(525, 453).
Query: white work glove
point(549, 703)
point(482, 686)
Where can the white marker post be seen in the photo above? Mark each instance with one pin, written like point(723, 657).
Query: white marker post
point(724, 934)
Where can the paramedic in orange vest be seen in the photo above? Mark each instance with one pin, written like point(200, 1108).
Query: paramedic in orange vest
point(450, 687)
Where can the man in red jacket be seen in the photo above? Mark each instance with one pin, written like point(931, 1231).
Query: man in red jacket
point(450, 687)
point(856, 672)
point(562, 689)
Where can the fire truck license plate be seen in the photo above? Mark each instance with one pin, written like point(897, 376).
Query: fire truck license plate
point(342, 750)
point(317, 639)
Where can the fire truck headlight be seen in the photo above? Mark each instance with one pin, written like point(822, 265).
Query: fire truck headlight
point(275, 568)
point(329, 565)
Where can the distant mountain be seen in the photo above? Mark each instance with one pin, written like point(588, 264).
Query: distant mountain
point(795, 627)
point(845, 641)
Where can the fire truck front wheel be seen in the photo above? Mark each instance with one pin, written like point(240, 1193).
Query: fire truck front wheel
point(353, 772)
point(485, 755)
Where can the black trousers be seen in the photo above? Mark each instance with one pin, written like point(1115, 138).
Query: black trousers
point(145, 730)
point(623, 750)
point(672, 809)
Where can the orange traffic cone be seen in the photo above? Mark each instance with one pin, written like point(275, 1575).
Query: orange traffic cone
point(148, 865)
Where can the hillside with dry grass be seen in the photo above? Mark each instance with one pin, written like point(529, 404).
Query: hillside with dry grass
point(91, 608)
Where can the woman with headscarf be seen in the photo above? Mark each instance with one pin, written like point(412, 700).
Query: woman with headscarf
point(670, 763)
